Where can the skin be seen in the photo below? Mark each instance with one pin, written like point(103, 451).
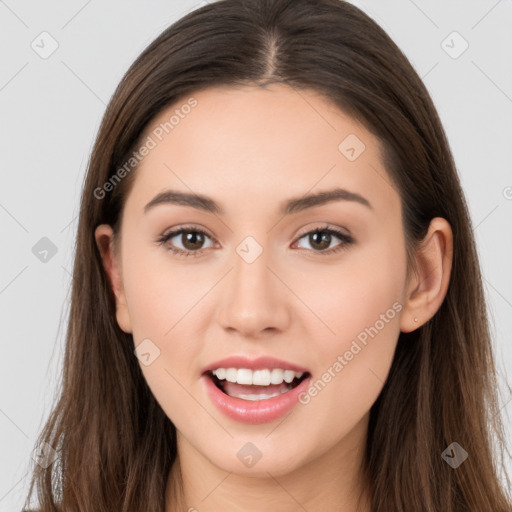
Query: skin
point(250, 149)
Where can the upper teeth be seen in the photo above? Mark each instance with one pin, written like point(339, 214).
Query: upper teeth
point(256, 377)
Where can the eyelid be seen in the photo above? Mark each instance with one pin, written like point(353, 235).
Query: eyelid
point(323, 226)
point(186, 227)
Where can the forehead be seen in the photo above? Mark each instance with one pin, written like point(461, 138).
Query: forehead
point(261, 143)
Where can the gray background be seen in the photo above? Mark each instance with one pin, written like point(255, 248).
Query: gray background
point(51, 109)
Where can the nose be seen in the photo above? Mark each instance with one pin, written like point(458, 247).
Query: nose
point(254, 299)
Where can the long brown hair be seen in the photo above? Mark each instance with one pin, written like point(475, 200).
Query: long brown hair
point(115, 445)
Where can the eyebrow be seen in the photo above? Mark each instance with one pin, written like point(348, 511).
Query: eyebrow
point(294, 205)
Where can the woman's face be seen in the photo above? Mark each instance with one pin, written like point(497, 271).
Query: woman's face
point(259, 283)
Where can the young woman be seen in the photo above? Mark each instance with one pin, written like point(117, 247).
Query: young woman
point(277, 302)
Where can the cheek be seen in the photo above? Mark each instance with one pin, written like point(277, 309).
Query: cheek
point(358, 302)
point(162, 300)
point(159, 291)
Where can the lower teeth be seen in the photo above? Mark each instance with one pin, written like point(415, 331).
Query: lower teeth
point(257, 397)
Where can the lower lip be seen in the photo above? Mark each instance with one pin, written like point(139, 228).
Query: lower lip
point(255, 411)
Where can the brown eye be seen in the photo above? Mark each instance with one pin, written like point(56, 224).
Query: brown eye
point(321, 238)
point(191, 240)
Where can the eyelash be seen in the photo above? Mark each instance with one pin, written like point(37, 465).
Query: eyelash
point(346, 240)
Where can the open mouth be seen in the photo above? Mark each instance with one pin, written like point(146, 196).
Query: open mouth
point(265, 384)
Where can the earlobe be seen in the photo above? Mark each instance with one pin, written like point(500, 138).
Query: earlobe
point(428, 287)
point(111, 263)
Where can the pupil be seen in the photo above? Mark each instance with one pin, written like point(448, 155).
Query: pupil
point(194, 240)
point(324, 239)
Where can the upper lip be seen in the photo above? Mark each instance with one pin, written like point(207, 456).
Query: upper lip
point(260, 363)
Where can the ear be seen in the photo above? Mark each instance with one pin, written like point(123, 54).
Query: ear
point(111, 262)
point(427, 288)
